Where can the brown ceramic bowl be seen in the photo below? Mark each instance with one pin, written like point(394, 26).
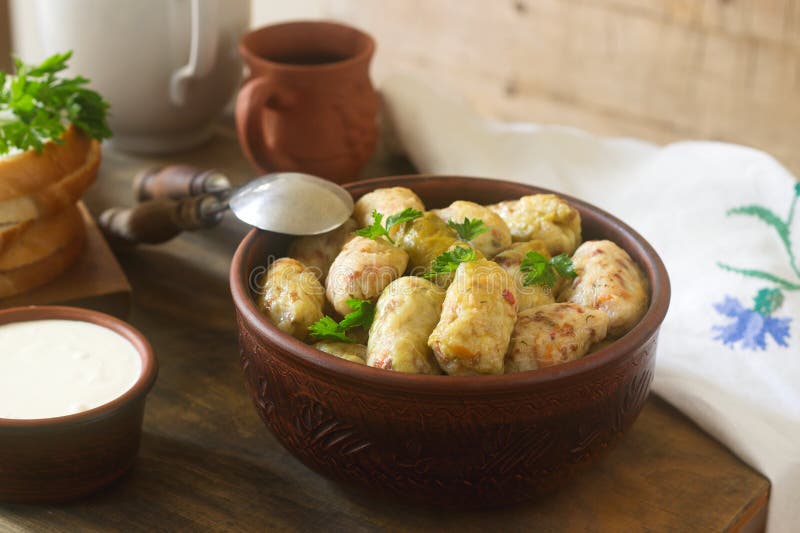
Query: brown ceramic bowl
point(64, 458)
point(453, 441)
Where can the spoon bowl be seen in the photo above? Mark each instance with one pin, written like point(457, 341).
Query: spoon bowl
point(292, 203)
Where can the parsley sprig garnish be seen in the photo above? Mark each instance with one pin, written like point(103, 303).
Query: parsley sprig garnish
point(469, 229)
point(38, 105)
point(378, 229)
point(541, 271)
point(362, 314)
point(327, 328)
point(406, 215)
point(449, 261)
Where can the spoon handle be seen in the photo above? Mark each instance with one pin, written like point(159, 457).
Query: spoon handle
point(177, 182)
point(159, 220)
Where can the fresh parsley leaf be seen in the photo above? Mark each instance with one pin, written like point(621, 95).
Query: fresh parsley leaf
point(326, 328)
point(469, 229)
point(37, 105)
point(406, 215)
point(449, 261)
point(378, 228)
point(538, 269)
point(541, 271)
point(563, 265)
point(362, 315)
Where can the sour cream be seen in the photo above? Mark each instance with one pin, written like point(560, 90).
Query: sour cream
point(52, 368)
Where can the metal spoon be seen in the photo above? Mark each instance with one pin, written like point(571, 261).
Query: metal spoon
point(291, 203)
point(181, 198)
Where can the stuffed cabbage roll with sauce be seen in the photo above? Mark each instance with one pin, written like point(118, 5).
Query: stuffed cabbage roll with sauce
point(317, 252)
point(478, 316)
point(355, 353)
point(387, 201)
point(292, 297)
point(608, 280)
point(405, 316)
point(529, 296)
point(424, 239)
point(545, 217)
point(362, 270)
point(552, 335)
point(491, 242)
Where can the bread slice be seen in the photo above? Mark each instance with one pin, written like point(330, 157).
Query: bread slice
point(41, 229)
point(57, 195)
point(28, 172)
point(9, 233)
point(41, 239)
point(33, 275)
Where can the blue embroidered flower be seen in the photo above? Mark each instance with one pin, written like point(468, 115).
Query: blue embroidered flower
point(751, 326)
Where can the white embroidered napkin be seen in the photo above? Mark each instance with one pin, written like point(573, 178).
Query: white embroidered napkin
point(726, 221)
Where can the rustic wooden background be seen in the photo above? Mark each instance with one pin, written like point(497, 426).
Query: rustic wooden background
point(5, 36)
point(661, 70)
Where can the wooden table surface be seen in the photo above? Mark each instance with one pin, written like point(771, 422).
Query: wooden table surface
point(208, 463)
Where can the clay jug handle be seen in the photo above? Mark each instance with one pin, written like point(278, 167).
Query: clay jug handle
point(255, 95)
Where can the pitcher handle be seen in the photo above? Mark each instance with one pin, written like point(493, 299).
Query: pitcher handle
point(202, 49)
point(254, 96)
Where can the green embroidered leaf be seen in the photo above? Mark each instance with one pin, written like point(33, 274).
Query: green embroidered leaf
point(765, 215)
point(771, 219)
point(767, 301)
point(760, 274)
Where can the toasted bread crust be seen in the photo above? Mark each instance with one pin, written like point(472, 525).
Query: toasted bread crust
point(41, 239)
point(28, 172)
point(33, 275)
point(9, 233)
point(58, 193)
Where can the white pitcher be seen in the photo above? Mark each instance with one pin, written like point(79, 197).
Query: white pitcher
point(167, 67)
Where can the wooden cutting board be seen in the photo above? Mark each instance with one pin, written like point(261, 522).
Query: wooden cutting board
point(95, 281)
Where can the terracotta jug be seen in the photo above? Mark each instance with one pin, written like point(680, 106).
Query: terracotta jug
point(308, 104)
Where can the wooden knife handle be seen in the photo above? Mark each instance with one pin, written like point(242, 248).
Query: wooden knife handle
point(159, 220)
point(177, 181)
